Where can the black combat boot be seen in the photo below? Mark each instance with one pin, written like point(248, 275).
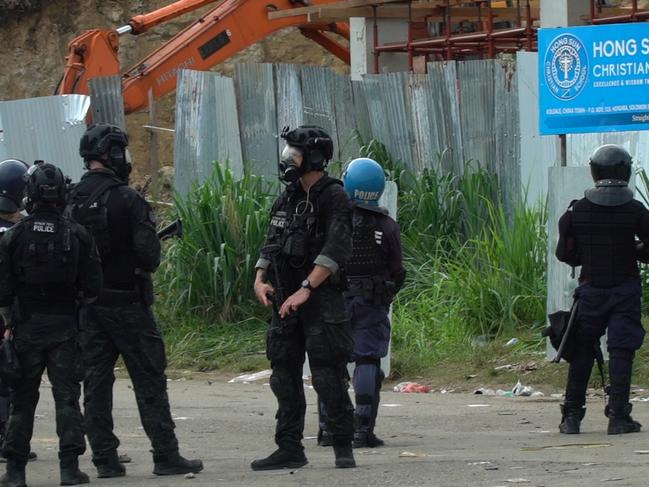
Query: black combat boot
point(364, 437)
point(174, 464)
point(70, 473)
point(325, 438)
point(280, 459)
point(15, 476)
point(571, 416)
point(620, 420)
point(109, 466)
point(344, 456)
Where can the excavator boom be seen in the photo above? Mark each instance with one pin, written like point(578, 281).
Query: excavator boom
point(230, 27)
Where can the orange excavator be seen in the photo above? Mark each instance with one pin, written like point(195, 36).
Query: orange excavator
point(217, 35)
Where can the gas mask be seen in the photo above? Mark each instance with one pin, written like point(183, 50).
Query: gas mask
point(120, 161)
point(289, 170)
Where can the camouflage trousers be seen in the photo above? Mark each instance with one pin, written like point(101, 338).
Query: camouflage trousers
point(130, 331)
point(58, 352)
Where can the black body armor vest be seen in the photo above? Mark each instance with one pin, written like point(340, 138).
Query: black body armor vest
point(605, 239)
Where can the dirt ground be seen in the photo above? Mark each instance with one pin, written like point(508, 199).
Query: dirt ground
point(432, 439)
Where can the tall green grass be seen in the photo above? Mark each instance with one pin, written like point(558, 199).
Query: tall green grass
point(475, 268)
point(210, 271)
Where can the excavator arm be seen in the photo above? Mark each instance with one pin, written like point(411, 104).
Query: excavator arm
point(230, 27)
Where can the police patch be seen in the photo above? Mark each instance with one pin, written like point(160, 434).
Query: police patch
point(278, 220)
point(44, 227)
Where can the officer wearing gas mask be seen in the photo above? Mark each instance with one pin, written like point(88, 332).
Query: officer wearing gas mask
point(121, 321)
point(49, 266)
point(598, 233)
point(375, 273)
point(299, 273)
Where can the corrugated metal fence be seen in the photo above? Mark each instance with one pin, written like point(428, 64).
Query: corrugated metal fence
point(456, 112)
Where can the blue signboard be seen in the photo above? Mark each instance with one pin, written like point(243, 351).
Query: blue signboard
point(594, 79)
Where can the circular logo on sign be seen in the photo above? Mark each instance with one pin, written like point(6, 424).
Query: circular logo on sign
point(566, 67)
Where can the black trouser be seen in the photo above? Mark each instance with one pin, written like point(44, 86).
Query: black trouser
point(58, 351)
point(321, 328)
point(614, 310)
point(129, 331)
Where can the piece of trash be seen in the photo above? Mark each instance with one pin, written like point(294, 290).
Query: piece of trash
point(641, 452)
point(485, 392)
point(511, 342)
point(491, 467)
point(477, 405)
point(522, 390)
point(245, 378)
point(640, 399)
point(502, 393)
point(310, 437)
point(408, 454)
point(470, 376)
point(181, 418)
point(479, 463)
point(479, 341)
point(388, 405)
point(503, 367)
point(190, 475)
point(506, 413)
point(124, 458)
point(613, 479)
point(537, 394)
point(525, 421)
point(517, 481)
point(566, 446)
point(411, 387)
point(589, 464)
point(558, 396)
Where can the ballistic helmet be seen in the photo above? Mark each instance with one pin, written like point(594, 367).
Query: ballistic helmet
point(610, 162)
point(364, 181)
point(12, 184)
point(107, 144)
point(312, 143)
point(45, 184)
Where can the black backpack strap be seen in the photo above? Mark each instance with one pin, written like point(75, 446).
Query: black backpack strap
point(98, 192)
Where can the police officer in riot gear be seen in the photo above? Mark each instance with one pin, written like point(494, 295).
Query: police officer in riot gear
point(299, 273)
point(598, 233)
point(49, 266)
point(375, 273)
point(12, 187)
point(121, 321)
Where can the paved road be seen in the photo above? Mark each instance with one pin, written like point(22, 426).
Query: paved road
point(433, 439)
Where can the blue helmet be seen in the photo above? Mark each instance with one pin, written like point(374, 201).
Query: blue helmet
point(364, 181)
point(12, 184)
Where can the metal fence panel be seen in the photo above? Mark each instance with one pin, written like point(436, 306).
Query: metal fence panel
point(106, 100)
point(362, 119)
point(476, 86)
point(376, 110)
point(47, 128)
point(207, 128)
point(255, 88)
point(318, 99)
point(399, 120)
point(537, 153)
point(288, 97)
point(506, 163)
point(346, 122)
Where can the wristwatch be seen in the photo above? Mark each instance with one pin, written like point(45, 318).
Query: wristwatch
point(307, 285)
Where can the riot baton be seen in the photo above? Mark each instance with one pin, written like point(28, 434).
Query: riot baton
point(564, 339)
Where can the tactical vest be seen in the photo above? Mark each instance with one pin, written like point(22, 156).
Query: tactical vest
point(46, 262)
point(296, 227)
point(90, 209)
point(605, 240)
point(368, 258)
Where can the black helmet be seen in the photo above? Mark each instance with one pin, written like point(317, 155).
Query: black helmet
point(102, 139)
point(313, 144)
point(45, 184)
point(611, 162)
point(12, 184)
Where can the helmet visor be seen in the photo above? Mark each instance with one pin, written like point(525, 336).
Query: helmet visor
point(292, 156)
